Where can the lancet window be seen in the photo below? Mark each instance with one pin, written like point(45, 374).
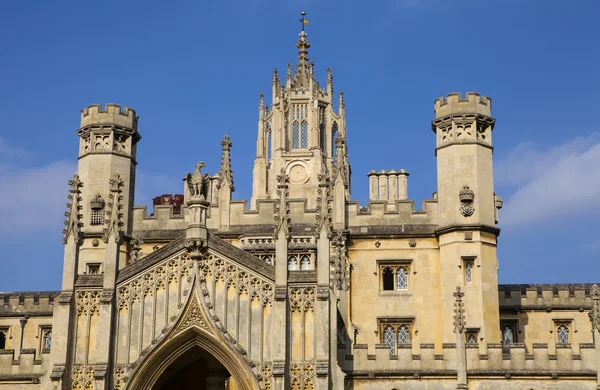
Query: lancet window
point(562, 333)
point(300, 126)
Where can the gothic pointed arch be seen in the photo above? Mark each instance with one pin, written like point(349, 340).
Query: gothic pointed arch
point(193, 330)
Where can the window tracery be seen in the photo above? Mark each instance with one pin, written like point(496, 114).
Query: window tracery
point(394, 277)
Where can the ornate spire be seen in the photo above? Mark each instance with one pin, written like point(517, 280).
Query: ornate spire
point(340, 165)
point(73, 222)
point(226, 173)
point(595, 312)
point(324, 203)
point(261, 106)
point(303, 66)
point(329, 81)
point(459, 311)
point(275, 78)
point(113, 224)
point(282, 206)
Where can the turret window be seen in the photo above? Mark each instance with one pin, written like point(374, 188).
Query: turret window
point(97, 210)
point(296, 135)
point(304, 135)
point(300, 126)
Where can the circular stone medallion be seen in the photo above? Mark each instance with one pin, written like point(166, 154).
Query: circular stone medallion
point(298, 173)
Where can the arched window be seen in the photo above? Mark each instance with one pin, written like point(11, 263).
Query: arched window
point(469, 272)
point(388, 279)
point(471, 338)
point(388, 338)
point(403, 335)
point(304, 135)
point(2, 339)
point(305, 263)
point(401, 278)
point(334, 130)
point(563, 334)
point(292, 263)
point(295, 135)
point(47, 339)
point(269, 142)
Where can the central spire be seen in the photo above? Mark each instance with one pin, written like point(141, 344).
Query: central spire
point(302, 67)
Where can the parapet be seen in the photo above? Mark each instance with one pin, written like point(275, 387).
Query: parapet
point(113, 114)
point(455, 104)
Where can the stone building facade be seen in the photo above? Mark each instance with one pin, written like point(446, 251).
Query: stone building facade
point(302, 288)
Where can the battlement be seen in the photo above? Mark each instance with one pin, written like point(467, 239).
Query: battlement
point(113, 114)
point(481, 359)
point(455, 104)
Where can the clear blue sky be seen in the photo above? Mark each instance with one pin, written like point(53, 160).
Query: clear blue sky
point(194, 70)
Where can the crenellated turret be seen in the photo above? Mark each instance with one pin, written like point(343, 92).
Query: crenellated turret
point(467, 210)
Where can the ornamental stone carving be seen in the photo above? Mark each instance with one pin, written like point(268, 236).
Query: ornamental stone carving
point(459, 311)
point(342, 266)
point(73, 222)
point(82, 378)
point(193, 317)
point(197, 183)
point(281, 213)
point(113, 224)
point(466, 196)
point(595, 312)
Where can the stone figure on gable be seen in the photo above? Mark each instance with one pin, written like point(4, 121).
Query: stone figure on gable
point(198, 183)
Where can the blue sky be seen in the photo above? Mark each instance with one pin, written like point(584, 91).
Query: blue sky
point(194, 71)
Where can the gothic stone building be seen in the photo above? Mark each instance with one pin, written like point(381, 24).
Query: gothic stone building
point(302, 288)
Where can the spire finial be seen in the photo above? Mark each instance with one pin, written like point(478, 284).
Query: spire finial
point(303, 20)
point(226, 173)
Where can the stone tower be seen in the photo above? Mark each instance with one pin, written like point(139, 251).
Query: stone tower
point(467, 235)
point(98, 225)
point(296, 134)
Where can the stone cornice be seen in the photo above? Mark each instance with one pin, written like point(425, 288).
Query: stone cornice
point(464, 142)
point(460, 228)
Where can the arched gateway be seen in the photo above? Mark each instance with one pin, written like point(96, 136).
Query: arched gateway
point(192, 359)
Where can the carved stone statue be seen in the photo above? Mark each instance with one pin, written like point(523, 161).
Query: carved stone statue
point(197, 183)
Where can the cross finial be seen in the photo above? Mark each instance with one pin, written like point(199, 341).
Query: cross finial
point(303, 20)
